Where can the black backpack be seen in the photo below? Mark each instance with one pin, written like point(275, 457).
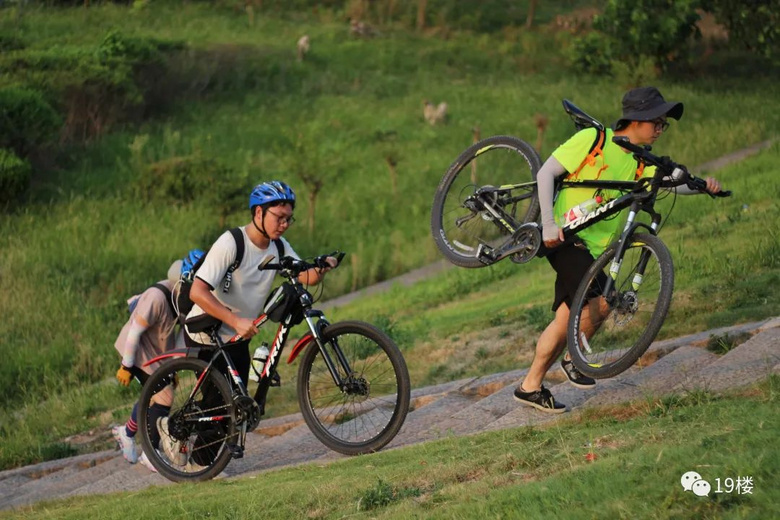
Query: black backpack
point(183, 303)
point(582, 121)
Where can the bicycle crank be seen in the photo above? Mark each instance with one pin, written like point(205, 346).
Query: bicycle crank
point(247, 410)
point(523, 245)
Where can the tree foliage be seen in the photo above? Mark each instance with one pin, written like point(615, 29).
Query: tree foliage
point(629, 32)
point(754, 24)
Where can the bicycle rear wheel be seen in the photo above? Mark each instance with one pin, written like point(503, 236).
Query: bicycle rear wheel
point(458, 224)
point(607, 333)
point(366, 412)
point(191, 442)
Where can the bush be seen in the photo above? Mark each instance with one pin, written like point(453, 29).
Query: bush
point(592, 53)
point(95, 88)
point(630, 32)
point(27, 121)
point(9, 42)
point(181, 180)
point(14, 176)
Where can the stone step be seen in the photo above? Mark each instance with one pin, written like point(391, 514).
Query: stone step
point(477, 415)
point(73, 481)
point(61, 475)
point(700, 338)
point(418, 422)
point(571, 396)
point(296, 445)
point(124, 477)
point(675, 369)
point(745, 364)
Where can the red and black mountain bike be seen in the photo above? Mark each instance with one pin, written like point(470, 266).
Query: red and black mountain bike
point(353, 388)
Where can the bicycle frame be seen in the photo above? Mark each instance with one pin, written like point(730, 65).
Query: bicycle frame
point(639, 198)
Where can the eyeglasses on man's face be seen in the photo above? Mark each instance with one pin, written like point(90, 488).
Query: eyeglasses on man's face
point(660, 125)
point(282, 219)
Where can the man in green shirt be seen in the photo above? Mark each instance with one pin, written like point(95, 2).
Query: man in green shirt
point(644, 119)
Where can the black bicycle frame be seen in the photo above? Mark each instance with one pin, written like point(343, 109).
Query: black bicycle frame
point(639, 199)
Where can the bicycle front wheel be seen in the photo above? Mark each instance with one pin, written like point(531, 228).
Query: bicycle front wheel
point(607, 333)
point(189, 442)
point(459, 223)
point(365, 411)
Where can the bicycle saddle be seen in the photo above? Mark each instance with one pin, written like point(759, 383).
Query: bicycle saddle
point(580, 118)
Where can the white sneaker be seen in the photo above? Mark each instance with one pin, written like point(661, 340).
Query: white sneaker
point(126, 444)
point(173, 449)
point(146, 462)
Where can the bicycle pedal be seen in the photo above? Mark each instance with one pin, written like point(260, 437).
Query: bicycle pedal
point(276, 380)
point(236, 451)
point(486, 255)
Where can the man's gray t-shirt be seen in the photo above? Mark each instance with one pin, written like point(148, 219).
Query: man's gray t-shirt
point(249, 286)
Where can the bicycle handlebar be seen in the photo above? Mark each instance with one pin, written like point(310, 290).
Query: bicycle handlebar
point(295, 266)
point(677, 172)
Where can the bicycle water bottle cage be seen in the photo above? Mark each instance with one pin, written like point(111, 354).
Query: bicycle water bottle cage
point(581, 119)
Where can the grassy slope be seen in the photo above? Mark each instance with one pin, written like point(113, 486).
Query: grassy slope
point(472, 322)
point(71, 258)
point(533, 472)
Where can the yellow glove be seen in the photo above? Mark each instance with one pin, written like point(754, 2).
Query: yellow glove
point(123, 375)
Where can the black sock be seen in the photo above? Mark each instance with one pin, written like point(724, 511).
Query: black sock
point(155, 412)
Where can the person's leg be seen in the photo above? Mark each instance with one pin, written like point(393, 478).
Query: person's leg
point(549, 346)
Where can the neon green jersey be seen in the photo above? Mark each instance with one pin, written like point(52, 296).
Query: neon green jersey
point(614, 165)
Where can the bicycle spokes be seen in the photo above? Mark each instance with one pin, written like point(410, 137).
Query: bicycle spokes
point(362, 408)
point(620, 307)
point(473, 209)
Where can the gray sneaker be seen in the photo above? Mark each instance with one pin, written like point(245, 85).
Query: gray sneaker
point(144, 461)
point(540, 399)
point(576, 377)
point(175, 451)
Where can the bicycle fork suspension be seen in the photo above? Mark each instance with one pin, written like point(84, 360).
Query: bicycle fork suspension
point(342, 360)
point(644, 258)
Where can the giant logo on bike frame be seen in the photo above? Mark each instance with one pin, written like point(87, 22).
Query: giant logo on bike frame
point(590, 216)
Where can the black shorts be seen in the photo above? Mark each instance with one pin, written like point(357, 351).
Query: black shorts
point(238, 352)
point(571, 262)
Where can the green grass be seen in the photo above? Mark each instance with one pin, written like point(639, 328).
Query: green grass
point(534, 471)
point(84, 243)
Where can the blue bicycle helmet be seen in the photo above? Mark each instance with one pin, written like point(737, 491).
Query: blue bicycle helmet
point(267, 192)
point(189, 262)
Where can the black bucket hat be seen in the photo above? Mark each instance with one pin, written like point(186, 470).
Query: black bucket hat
point(646, 104)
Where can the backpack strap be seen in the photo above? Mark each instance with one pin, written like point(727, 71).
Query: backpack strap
point(167, 293)
point(238, 236)
point(279, 247)
point(590, 160)
point(640, 169)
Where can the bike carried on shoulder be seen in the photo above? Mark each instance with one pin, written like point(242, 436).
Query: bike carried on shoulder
point(353, 387)
point(485, 210)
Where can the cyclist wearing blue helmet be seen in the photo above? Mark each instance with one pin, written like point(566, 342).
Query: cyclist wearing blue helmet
point(271, 205)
